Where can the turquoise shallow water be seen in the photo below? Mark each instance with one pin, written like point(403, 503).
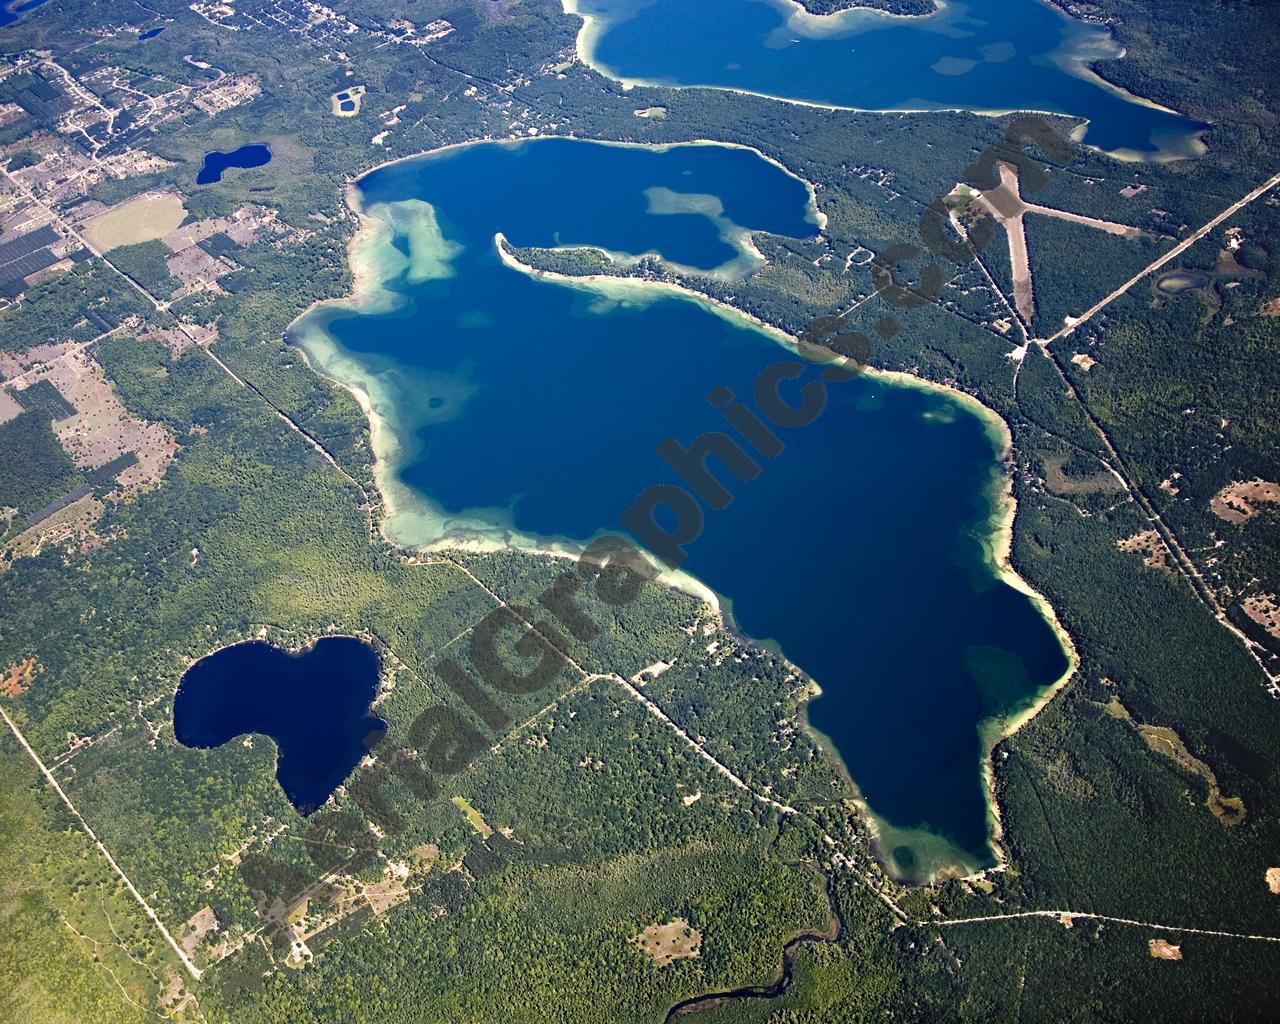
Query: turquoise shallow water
point(531, 405)
point(971, 55)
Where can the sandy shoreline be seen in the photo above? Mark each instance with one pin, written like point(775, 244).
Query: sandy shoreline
point(1076, 64)
point(814, 215)
point(997, 551)
point(324, 357)
point(480, 537)
point(997, 547)
point(995, 730)
point(405, 522)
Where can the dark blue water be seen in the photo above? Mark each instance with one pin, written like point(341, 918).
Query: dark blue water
point(534, 406)
point(216, 163)
point(151, 33)
point(315, 705)
point(972, 55)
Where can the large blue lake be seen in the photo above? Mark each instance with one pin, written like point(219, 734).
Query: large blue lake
point(517, 405)
point(986, 55)
point(313, 704)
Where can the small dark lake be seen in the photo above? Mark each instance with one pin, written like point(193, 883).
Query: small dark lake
point(215, 163)
point(314, 704)
point(151, 33)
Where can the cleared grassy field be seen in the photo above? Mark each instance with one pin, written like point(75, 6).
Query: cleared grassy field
point(144, 219)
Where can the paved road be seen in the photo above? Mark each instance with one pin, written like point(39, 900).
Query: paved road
point(1173, 253)
point(1073, 915)
point(192, 969)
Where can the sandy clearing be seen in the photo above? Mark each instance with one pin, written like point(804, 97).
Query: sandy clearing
point(1151, 547)
point(1109, 226)
point(1005, 204)
point(9, 407)
point(1023, 293)
point(1264, 609)
point(1238, 502)
point(200, 924)
point(102, 429)
point(16, 680)
point(669, 942)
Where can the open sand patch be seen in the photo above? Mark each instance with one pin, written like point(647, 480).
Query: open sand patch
point(1150, 546)
point(16, 680)
point(1265, 611)
point(669, 942)
point(102, 429)
point(1162, 950)
point(201, 923)
point(9, 407)
point(1240, 501)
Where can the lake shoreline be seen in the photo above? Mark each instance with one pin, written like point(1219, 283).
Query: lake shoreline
point(997, 547)
point(1079, 65)
point(490, 537)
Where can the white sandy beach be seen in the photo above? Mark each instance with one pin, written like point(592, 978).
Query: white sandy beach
point(996, 547)
point(816, 26)
point(412, 521)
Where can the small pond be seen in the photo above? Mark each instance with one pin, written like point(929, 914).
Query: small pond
point(315, 704)
point(215, 163)
point(1174, 282)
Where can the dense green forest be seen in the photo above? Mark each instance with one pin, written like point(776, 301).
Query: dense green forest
point(145, 264)
point(34, 469)
point(73, 947)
